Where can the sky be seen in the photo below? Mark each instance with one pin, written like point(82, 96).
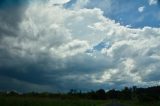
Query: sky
point(58, 45)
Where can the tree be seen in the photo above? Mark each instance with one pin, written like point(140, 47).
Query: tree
point(100, 94)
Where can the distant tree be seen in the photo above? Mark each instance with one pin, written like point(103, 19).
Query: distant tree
point(127, 93)
point(13, 93)
point(73, 91)
point(134, 92)
point(100, 94)
point(112, 94)
point(150, 94)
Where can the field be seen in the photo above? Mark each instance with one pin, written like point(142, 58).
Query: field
point(46, 101)
point(31, 101)
point(136, 103)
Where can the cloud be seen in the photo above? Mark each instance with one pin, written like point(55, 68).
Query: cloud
point(12, 3)
point(51, 47)
point(15, 9)
point(141, 9)
point(153, 2)
point(81, 3)
point(58, 1)
point(106, 5)
point(21, 86)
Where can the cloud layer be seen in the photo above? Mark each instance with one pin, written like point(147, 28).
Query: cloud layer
point(51, 48)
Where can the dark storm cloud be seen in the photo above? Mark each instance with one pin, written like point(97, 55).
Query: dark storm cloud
point(43, 71)
point(11, 3)
point(11, 12)
point(25, 69)
point(87, 64)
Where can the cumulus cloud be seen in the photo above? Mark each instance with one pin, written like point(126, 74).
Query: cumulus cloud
point(57, 2)
point(103, 5)
point(54, 48)
point(153, 2)
point(80, 4)
point(141, 9)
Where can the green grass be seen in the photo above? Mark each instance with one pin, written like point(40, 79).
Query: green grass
point(34, 101)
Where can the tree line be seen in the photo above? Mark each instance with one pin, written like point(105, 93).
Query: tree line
point(150, 94)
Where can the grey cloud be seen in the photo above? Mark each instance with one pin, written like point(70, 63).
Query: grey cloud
point(21, 86)
point(11, 12)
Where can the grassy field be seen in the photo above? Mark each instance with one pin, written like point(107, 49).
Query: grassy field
point(30, 101)
point(137, 103)
point(39, 101)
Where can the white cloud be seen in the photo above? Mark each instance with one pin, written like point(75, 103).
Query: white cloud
point(80, 4)
point(70, 49)
point(141, 9)
point(58, 1)
point(152, 2)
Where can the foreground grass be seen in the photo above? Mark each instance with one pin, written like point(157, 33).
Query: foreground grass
point(31, 101)
point(39, 101)
point(137, 103)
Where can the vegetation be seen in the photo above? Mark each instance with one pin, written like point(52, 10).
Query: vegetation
point(130, 96)
point(37, 101)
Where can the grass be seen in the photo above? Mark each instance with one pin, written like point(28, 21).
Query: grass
point(39, 101)
point(137, 103)
point(35, 101)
